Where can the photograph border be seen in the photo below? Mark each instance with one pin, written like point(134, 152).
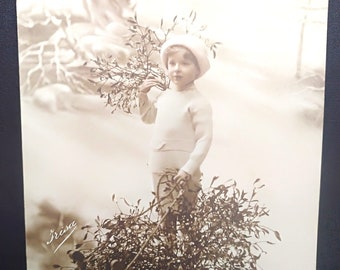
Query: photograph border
point(12, 255)
point(12, 251)
point(328, 249)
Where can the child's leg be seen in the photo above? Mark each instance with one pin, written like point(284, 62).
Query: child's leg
point(164, 193)
point(191, 189)
point(167, 192)
point(165, 198)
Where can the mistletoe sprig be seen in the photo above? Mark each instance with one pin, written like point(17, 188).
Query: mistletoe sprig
point(223, 231)
point(118, 81)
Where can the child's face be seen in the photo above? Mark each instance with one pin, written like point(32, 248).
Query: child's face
point(182, 70)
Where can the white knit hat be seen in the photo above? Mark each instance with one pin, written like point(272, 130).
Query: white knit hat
point(193, 44)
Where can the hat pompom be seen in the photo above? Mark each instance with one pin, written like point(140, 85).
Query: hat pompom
point(193, 44)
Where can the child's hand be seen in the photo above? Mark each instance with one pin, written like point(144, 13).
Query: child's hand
point(182, 175)
point(150, 81)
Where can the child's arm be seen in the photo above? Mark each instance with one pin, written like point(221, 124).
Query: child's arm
point(147, 109)
point(201, 114)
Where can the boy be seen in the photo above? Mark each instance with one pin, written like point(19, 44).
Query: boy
point(182, 117)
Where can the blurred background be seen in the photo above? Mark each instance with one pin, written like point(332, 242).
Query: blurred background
point(266, 86)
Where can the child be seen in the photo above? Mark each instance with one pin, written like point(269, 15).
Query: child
point(182, 118)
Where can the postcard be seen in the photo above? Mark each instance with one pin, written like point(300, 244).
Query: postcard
point(87, 158)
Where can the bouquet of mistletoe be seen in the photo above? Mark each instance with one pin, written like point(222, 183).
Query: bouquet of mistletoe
point(117, 81)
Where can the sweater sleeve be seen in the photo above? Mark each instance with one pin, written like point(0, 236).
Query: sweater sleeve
point(202, 122)
point(147, 109)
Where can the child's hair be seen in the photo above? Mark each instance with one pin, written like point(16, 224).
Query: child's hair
point(196, 48)
point(187, 55)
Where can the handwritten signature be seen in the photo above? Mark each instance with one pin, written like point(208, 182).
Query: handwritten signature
point(63, 233)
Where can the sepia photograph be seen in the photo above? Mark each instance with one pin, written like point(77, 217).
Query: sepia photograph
point(171, 134)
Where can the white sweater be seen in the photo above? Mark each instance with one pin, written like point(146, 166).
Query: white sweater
point(183, 122)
